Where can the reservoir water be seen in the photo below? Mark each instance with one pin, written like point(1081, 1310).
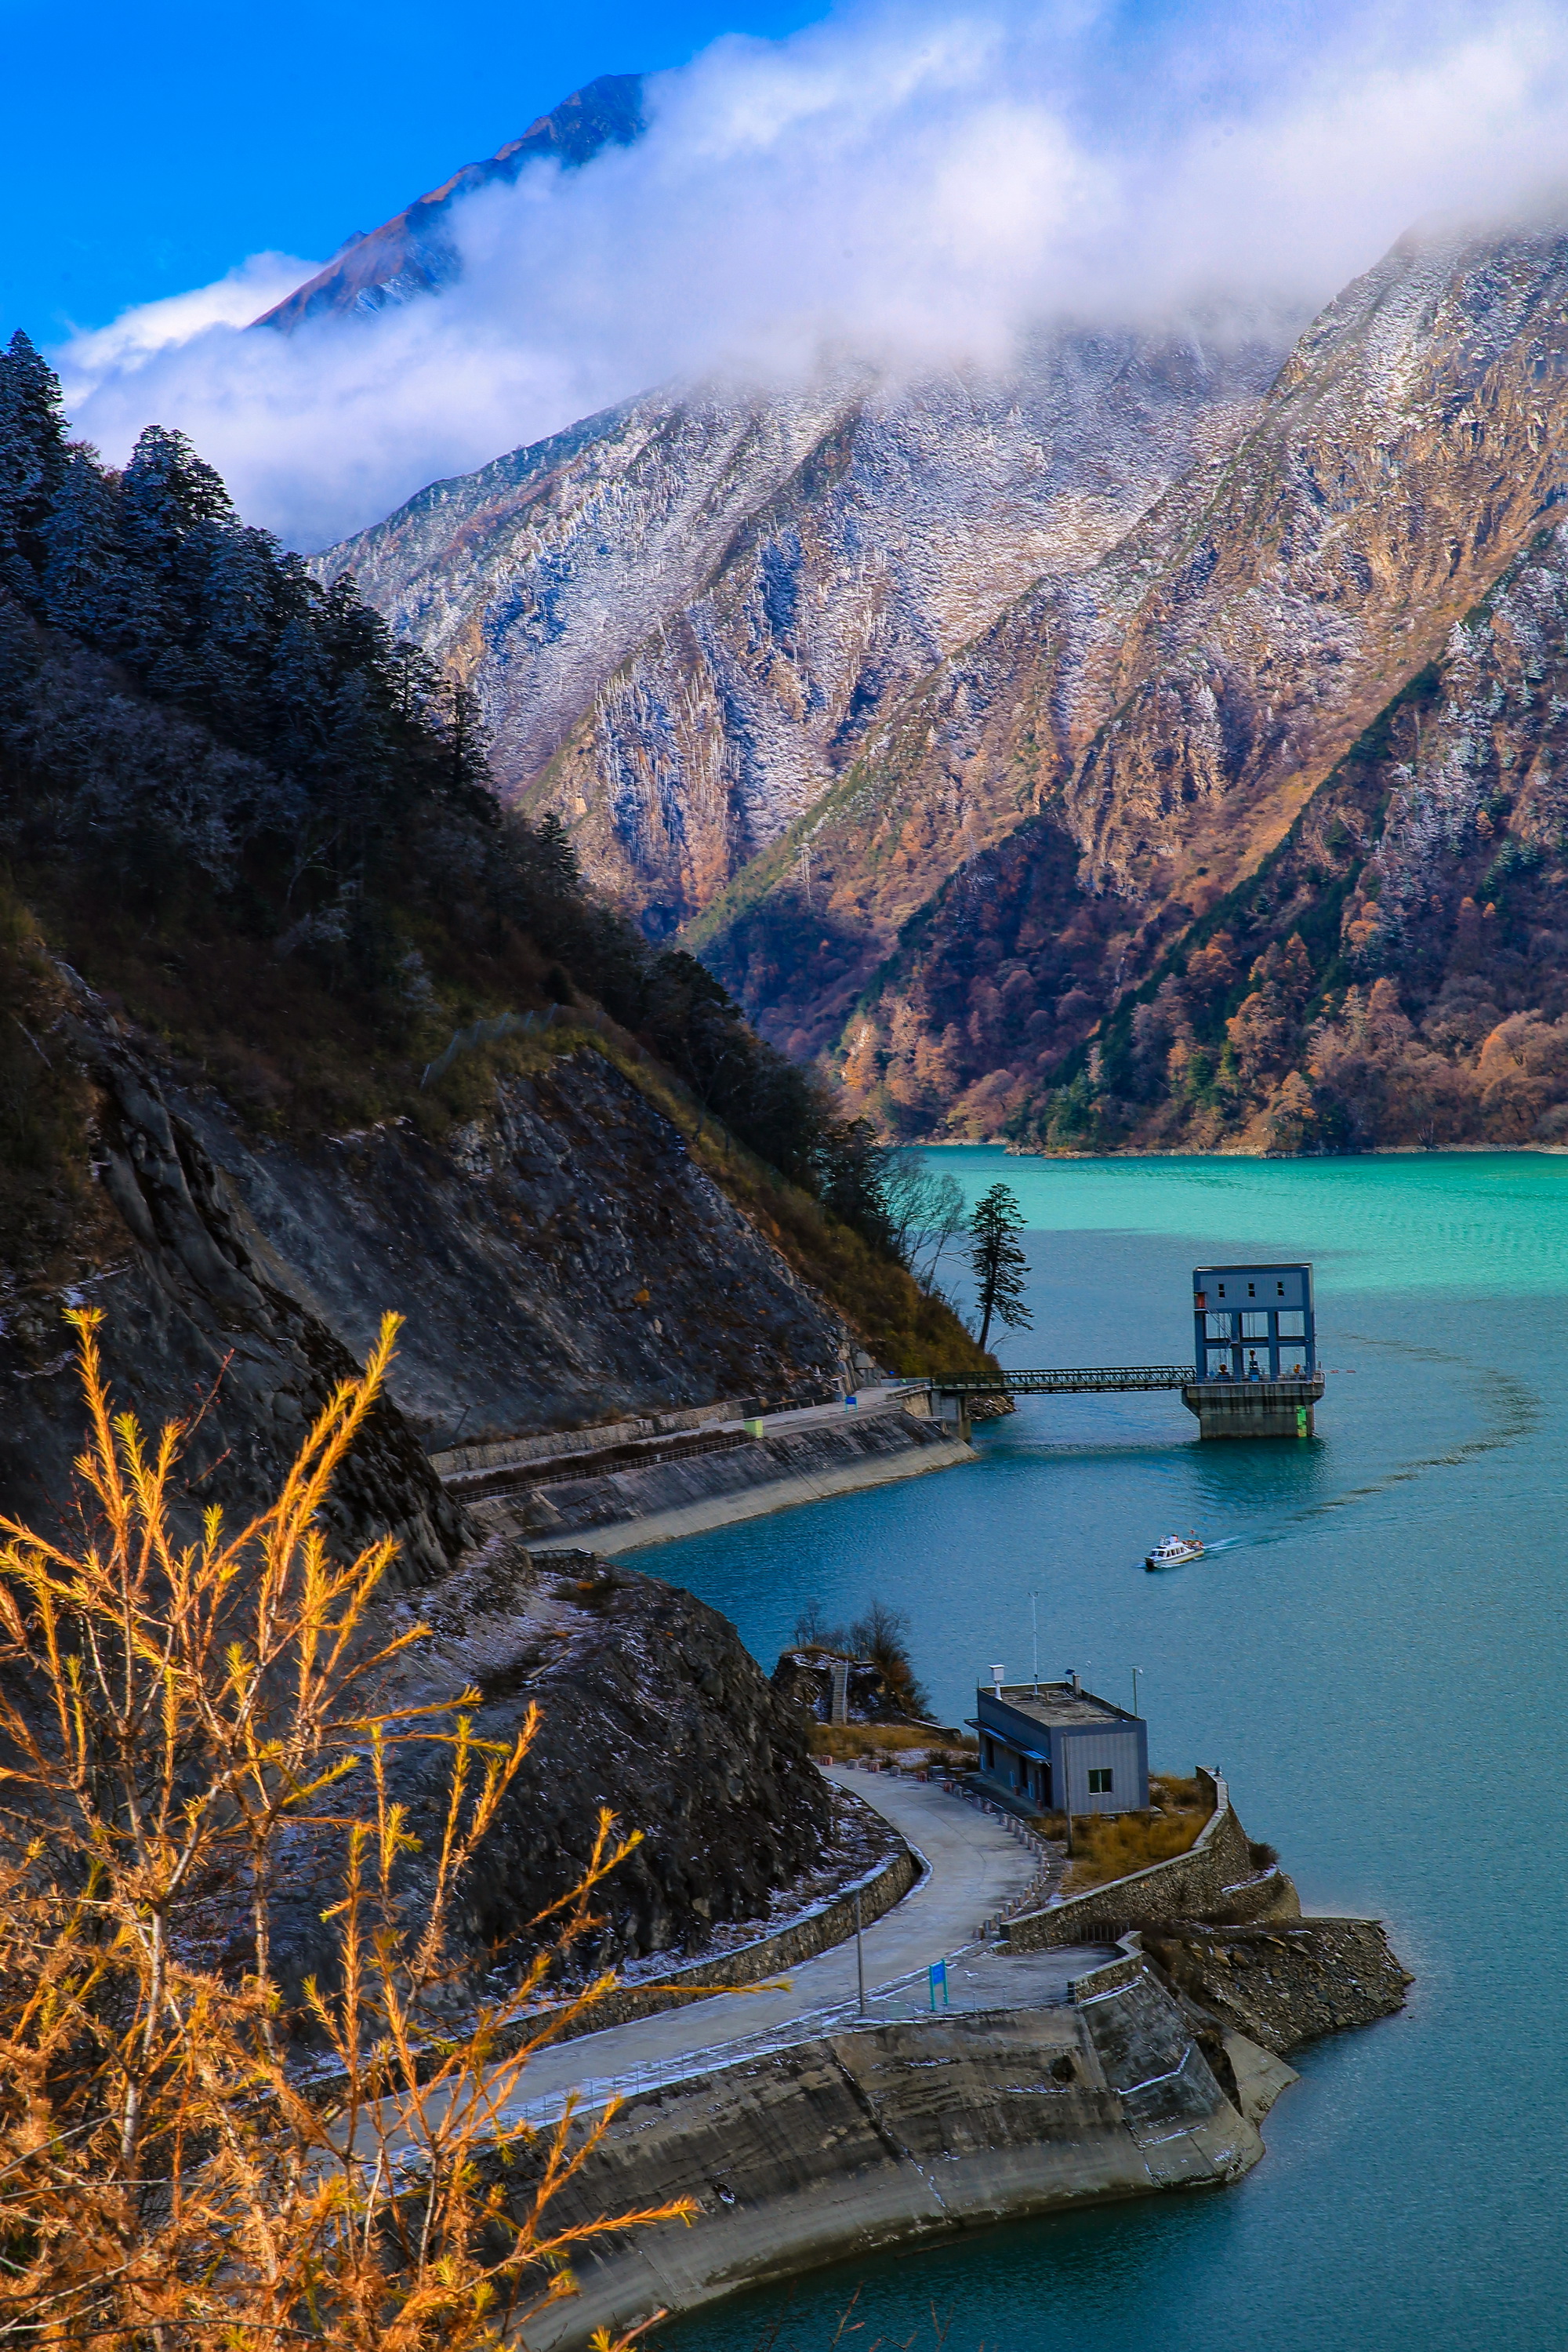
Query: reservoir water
point(1373, 1652)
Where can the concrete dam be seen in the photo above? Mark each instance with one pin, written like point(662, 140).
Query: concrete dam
point(1123, 2042)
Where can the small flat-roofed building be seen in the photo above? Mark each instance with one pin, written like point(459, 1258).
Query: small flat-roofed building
point(1058, 1747)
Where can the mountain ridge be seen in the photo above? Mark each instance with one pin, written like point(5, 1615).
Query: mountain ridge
point(936, 714)
point(413, 253)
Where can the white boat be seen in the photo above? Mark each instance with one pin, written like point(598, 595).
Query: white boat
point(1175, 1552)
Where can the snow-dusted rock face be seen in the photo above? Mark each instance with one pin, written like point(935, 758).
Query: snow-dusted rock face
point(1119, 751)
point(684, 618)
point(937, 717)
point(537, 577)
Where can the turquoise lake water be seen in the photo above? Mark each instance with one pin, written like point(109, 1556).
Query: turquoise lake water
point(1374, 1655)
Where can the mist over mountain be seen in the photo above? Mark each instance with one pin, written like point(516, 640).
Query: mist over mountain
point(909, 192)
point(1154, 745)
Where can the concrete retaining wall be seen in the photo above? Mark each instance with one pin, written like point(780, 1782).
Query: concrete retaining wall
point(816, 1930)
point(890, 2135)
point(1254, 1408)
point(555, 1445)
point(621, 1510)
point(1217, 1878)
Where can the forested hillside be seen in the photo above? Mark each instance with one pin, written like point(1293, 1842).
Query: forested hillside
point(1270, 797)
point(1397, 972)
point(261, 831)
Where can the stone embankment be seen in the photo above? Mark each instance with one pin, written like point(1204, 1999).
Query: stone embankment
point(1222, 1876)
point(1284, 1984)
point(635, 1489)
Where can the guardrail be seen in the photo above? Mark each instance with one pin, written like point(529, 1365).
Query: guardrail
point(656, 2075)
point(1065, 1380)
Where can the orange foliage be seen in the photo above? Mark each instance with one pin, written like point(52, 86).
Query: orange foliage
point(174, 1717)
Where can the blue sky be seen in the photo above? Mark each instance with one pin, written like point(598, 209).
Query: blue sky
point(149, 146)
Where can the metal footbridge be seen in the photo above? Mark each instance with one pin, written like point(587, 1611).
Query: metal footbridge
point(1224, 1408)
point(1072, 1380)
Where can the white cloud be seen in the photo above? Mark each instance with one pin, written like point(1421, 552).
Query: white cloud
point(907, 186)
point(233, 301)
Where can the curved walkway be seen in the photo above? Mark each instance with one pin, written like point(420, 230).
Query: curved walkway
point(974, 1868)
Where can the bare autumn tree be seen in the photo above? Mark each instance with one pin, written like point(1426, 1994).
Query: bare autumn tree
point(180, 1723)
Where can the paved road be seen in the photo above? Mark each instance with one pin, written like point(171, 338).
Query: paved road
point(868, 1401)
point(975, 1868)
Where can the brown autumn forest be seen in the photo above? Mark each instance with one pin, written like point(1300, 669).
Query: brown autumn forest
point(1395, 975)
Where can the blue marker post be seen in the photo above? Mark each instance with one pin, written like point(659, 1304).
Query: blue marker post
point(938, 1974)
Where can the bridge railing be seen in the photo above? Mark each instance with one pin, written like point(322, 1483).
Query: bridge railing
point(1065, 1379)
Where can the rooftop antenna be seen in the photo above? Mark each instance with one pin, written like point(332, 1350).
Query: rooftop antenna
point(997, 1681)
point(1034, 1632)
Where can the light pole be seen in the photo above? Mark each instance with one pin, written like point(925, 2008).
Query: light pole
point(1135, 1672)
point(1035, 1635)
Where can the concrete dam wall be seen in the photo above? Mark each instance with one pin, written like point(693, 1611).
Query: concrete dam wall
point(858, 2137)
point(1122, 2044)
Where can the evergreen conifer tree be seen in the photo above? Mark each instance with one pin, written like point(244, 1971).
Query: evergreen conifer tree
point(89, 588)
point(998, 1265)
point(32, 463)
point(168, 491)
point(244, 598)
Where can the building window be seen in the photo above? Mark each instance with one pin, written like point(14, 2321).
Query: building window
point(1293, 1323)
point(1255, 1326)
point(1100, 1779)
point(1216, 1326)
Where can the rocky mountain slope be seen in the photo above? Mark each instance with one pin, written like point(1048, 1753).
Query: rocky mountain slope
point(414, 252)
point(650, 1702)
point(1137, 753)
point(684, 618)
point(938, 718)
